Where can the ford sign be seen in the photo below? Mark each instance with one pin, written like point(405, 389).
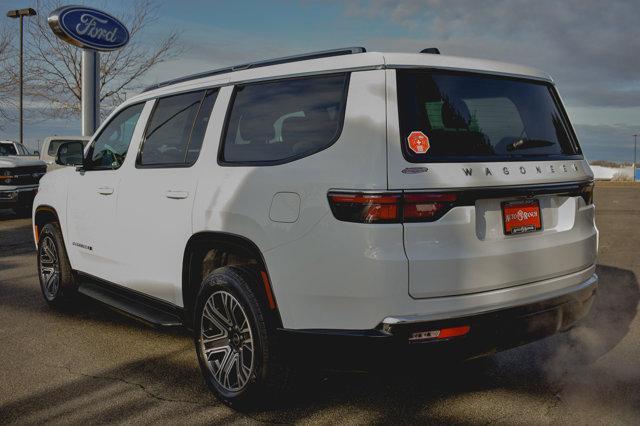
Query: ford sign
point(88, 28)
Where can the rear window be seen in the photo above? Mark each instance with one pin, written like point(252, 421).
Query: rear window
point(176, 129)
point(280, 121)
point(475, 117)
point(7, 149)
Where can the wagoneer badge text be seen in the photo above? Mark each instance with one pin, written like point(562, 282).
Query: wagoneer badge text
point(523, 170)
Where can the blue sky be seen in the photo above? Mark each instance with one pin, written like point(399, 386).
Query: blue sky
point(590, 50)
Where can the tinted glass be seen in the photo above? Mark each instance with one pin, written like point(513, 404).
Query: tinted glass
point(276, 121)
point(54, 144)
point(167, 135)
point(7, 149)
point(22, 150)
point(110, 147)
point(200, 126)
point(491, 118)
point(72, 152)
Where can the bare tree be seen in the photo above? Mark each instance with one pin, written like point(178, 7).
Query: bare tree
point(55, 66)
point(8, 76)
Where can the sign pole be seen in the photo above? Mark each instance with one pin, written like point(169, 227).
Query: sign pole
point(90, 91)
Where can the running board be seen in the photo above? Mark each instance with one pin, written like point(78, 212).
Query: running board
point(131, 303)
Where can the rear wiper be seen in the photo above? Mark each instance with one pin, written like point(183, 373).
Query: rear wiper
point(528, 143)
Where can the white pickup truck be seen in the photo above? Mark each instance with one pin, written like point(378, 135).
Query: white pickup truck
point(50, 147)
point(20, 173)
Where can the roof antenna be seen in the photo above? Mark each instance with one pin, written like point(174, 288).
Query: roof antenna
point(432, 50)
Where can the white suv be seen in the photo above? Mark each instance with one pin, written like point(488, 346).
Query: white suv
point(335, 205)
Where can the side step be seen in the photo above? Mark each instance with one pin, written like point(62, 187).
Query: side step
point(139, 306)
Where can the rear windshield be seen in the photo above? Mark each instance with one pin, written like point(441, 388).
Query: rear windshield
point(450, 117)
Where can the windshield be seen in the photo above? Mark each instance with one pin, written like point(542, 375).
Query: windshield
point(7, 149)
point(475, 117)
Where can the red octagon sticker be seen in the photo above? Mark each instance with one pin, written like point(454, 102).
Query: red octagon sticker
point(418, 142)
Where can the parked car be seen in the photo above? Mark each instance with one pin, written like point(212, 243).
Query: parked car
point(15, 148)
point(20, 173)
point(342, 206)
point(50, 148)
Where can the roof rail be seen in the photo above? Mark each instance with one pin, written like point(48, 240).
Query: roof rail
point(276, 61)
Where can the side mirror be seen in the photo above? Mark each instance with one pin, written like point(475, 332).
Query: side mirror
point(36, 153)
point(70, 154)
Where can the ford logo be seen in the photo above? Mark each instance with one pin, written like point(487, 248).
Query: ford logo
point(88, 28)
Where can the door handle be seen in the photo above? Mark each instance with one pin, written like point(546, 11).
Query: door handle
point(105, 190)
point(176, 195)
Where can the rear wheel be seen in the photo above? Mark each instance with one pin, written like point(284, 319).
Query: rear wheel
point(54, 270)
point(236, 345)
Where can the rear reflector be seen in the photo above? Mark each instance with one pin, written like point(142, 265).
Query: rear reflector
point(390, 207)
point(444, 333)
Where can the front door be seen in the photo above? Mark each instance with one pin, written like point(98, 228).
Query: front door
point(93, 193)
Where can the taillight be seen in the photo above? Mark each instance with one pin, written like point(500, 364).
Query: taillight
point(365, 208)
point(390, 207)
point(426, 207)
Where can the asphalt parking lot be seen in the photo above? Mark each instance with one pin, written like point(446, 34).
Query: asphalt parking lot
point(93, 366)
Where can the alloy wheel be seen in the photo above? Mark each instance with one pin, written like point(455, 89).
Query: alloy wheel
point(49, 267)
point(226, 341)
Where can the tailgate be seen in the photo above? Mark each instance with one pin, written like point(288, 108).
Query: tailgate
point(468, 251)
point(485, 142)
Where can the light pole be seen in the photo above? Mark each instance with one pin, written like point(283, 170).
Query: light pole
point(635, 150)
point(21, 13)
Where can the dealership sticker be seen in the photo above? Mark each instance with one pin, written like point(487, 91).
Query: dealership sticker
point(418, 142)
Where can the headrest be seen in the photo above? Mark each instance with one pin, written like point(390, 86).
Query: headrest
point(257, 126)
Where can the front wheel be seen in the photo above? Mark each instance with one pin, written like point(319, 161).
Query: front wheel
point(236, 346)
point(54, 270)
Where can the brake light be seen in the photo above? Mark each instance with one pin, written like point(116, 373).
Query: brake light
point(390, 207)
point(365, 208)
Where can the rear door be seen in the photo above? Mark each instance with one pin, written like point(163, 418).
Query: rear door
point(154, 213)
point(507, 190)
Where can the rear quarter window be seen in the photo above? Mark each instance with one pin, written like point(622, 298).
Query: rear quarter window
point(469, 117)
point(280, 121)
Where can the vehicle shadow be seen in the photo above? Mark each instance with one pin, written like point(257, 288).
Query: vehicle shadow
point(119, 395)
point(540, 371)
point(8, 214)
point(162, 389)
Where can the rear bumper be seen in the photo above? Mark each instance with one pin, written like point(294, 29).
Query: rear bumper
point(18, 196)
point(489, 332)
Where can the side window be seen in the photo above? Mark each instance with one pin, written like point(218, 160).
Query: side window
point(53, 147)
point(110, 147)
point(275, 122)
point(176, 129)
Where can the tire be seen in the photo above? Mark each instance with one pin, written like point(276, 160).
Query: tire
point(252, 381)
point(57, 283)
